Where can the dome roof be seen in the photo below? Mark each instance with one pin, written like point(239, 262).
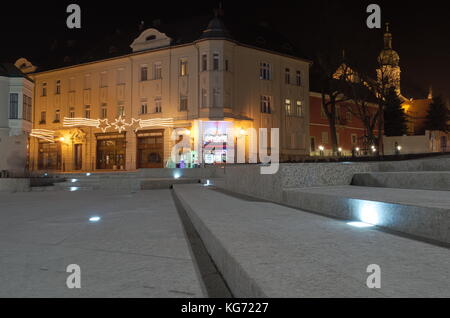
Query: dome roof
point(389, 57)
point(215, 29)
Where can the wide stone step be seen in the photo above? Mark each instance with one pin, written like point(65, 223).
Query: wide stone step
point(165, 183)
point(266, 250)
point(421, 213)
point(427, 180)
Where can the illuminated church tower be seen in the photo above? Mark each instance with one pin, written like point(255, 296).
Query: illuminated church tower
point(388, 71)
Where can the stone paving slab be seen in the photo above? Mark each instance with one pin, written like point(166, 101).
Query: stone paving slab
point(422, 213)
point(137, 249)
point(266, 250)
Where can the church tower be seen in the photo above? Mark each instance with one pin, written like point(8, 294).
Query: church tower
point(388, 72)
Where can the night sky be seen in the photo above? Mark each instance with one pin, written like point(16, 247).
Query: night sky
point(421, 32)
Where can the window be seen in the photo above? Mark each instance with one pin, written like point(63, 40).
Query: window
point(266, 104)
point(120, 76)
point(13, 106)
point(298, 78)
point(204, 98)
point(324, 137)
point(226, 65)
point(265, 71)
point(299, 112)
point(44, 89)
point(104, 111)
point(338, 114)
point(143, 107)
point(87, 111)
point(43, 118)
point(157, 70)
point(287, 106)
point(158, 107)
point(87, 81)
point(58, 87)
point(216, 61)
point(313, 144)
point(183, 67)
point(144, 71)
point(72, 112)
point(57, 116)
point(103, 79)
point(287, 76)
point(27, 108)
point(183, 103)
point(120, 110)
point(354, 139)
point(204, 62)
point(216, 97)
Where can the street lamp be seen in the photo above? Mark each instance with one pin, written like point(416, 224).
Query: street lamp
point(321, 148)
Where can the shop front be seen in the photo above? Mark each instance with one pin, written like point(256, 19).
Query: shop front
point(111, 151)
point(49, 156)
point(150, 149)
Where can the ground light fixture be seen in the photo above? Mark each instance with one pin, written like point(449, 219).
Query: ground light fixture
point(88, 174)
point(74, 180)
point(360, 224)
point(177, 175)
point(94, 219)
point(72, 189)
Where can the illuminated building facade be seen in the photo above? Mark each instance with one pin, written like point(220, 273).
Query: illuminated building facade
point(128, 112)
point(16, 93)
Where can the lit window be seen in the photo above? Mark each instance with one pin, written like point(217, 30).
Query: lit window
point(265, 104)
point(72, 112)
point(183, 103)
point(265, 71)
point(144, 71)
point(287, 106)
point(216, 61)
point(287, 76)
point(183, 67)
point(299, 108)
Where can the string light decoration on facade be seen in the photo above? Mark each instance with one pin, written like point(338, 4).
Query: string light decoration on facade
point(119, 124)
point(44, 134)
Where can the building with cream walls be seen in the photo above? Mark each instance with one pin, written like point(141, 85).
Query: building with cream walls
point(129, 111)
point(16, 92)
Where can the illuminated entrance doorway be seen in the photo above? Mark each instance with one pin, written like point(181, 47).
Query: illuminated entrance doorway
point(49, 157)
point(150, 149)
point(78, 161)
point(111, 151)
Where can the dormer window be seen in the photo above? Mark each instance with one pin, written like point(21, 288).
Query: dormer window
point(150, 37)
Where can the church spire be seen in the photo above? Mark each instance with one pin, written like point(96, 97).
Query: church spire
point(387, 38)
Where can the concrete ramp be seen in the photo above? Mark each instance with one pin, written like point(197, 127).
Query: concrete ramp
point(266, 250)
